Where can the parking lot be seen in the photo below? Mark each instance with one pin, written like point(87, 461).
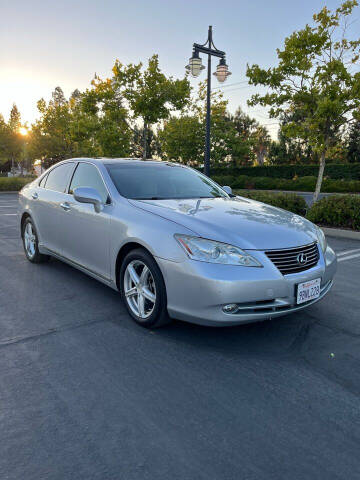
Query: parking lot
point(87, 394)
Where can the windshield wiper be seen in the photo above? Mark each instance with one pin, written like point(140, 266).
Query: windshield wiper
point(151, 198)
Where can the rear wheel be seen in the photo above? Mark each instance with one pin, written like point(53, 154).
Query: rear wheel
point(143, 289)
point(30, 242)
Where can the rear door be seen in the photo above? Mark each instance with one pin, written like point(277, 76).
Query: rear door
point(87, 237)
point(50, 206)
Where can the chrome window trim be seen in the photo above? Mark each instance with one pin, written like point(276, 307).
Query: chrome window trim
point(101, 176)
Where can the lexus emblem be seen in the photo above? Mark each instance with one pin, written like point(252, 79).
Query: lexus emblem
point(301, 258)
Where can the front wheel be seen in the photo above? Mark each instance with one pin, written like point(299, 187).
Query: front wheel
point(143, 289)
point(31, 242)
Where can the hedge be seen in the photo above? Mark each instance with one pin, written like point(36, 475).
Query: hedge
point(346, 171)
point(305, 184)
point(288, 201)
point(12, 184)
point(342, 211)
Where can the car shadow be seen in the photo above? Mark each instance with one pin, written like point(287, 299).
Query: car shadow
point(284, 336)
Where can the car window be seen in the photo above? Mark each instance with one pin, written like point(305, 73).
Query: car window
point(58, 178)
point(161, 181)
point(87, 175)
point(43, 181)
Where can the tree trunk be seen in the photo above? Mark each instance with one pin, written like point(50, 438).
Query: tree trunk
point(144, 140)
point(320, 177)
point(260, 156)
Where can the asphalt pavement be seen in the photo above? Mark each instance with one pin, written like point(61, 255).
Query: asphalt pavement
point(87, 394)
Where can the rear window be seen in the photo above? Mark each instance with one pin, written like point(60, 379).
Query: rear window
point(58, 178)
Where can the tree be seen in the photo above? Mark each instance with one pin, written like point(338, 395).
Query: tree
point(226, 143)
point(15, 142)
point(5, 140)
point(353, 143)
point(151, 95)
point(245, 127)
point(51, 137)
point(104, 104)
point(261, 144)
point(182, 139)
point(314, 78)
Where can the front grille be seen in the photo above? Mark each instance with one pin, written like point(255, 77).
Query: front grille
point(287, 260)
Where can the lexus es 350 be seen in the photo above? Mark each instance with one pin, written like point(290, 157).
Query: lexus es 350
point(174, 243)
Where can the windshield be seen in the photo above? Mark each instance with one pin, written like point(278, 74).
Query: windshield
point(149, 181)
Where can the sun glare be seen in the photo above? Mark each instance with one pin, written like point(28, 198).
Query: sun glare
point(23, 131)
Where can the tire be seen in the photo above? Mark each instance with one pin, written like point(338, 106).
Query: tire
point(30, 245)
point(143, 289)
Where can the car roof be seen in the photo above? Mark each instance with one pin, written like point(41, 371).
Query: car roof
point(114, 161)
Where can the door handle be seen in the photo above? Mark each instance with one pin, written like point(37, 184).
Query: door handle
point(65, 206)
point(35, 195)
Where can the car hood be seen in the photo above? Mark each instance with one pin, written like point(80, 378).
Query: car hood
point(239, 221)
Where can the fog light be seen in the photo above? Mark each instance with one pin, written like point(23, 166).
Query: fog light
point(230, 308)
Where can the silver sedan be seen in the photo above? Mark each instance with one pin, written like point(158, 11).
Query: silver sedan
point(174, 243)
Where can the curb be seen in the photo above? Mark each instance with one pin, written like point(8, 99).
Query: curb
point(340, 233)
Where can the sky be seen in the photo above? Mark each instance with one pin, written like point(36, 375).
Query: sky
point(44, 44)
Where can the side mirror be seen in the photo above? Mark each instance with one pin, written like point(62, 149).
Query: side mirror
point(227, 189)
point(89, 195)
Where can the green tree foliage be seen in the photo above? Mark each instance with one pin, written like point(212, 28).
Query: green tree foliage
point(245, 127)
point(261, 144)
point(182, 139)
point(290, 151)
point(92, 123)
point(11, 142)
point(51, 136)
point(353, 143)
point(105, 106)
point(5, 138)
point(150, 94)
point(314, 78)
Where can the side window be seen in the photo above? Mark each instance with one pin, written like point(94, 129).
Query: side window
point(87, 175)
point(58, 178)
point(43, 181)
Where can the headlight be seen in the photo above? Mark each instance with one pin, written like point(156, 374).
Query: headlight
point(321, 238)
point(215, 252)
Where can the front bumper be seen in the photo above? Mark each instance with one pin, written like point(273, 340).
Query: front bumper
point(197, 291)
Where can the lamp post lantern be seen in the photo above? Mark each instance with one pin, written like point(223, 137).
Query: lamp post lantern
point(222, 72)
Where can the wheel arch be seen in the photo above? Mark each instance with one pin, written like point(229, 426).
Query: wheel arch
point(24, 216)
point(124, 250)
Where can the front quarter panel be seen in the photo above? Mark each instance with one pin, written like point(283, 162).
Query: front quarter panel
point(156, 234)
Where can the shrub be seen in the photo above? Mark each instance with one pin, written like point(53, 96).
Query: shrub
point(304, 184)
point(288, 201)
point(337, 211)
point(346, 171)
point(13, 184)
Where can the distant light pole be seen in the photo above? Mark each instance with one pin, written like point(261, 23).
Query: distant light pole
point(222, 72)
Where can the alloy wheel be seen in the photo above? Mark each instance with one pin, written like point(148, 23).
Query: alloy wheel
point(139, 289)
point(30, 240)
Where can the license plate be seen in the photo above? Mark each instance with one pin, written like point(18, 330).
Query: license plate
point(308, 290)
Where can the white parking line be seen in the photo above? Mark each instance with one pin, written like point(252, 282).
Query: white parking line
point(349, 257)
point(7, 214)
point(7, 206)
point(347, 252)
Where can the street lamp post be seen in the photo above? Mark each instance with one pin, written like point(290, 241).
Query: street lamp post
point(222, 72)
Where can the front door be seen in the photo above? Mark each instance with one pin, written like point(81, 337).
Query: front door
point(87, 233)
